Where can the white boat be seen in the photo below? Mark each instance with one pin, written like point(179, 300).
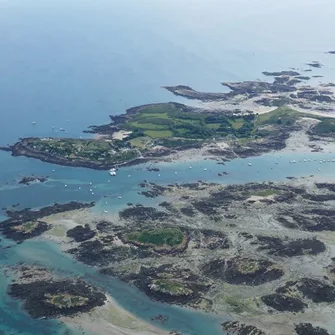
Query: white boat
point(34, 122)
point(249, 164)
point(112, 172)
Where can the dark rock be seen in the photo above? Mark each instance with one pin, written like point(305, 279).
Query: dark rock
point(316, 290)
point(281, 73)
point(26, 223)
point(308, 329)
point(299, 247)
point(141, 213)
point(32, 179)
point(238, 328)
point(80, 233)
point(283, 303)
point(35, 302)
point(315, 64)
point(210, 239)
point(188, 211)
point(242, 271)
point(94, 253)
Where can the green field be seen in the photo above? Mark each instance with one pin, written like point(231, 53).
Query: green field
point(163, 121)
point(281, 115)
point(157, 237)
point(175, 126)
point(66, 300)
point(325, 127)
point(158, 133)
point(171, 286)
point(27, 227)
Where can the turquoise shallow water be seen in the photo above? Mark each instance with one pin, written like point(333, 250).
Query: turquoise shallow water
point(72, 63)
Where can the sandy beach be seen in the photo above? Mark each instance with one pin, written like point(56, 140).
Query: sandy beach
point(111, 319)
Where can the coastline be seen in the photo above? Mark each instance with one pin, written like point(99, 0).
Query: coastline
point(111, 319)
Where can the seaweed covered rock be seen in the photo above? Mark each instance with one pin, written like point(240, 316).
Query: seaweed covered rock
point(26, 223)
point(283, 303)
point(32, 179)
point(166, 283)
point(80, 233)
point(97, 253)
point(142, 214)
point(305, 222)
point(23, 230)
point(242, 271)
point(153, 190)
point(277, 247)
point(290, 296)
point(57, 298)
point(308, 329)
point(238, 328)
point(210, 239)
point(316, 290)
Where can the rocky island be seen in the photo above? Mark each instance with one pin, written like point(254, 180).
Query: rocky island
point(254, 117)
point(47, 295)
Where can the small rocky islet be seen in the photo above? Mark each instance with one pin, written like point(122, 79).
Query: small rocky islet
point(49, 295)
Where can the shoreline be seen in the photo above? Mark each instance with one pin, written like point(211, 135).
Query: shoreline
point(112, 319)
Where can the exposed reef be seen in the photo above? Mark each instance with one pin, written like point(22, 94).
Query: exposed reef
point(206, 245)
point(242, 271)
point(291, 248)
point(315, 64)
point(308, 329)
point(32, 179)
point(28, 223)
point(166, 283)
point(80, 233)
point(238, 328)
point(54, 296)
point(295, 296)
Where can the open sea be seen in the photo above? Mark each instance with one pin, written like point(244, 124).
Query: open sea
point(71, 64)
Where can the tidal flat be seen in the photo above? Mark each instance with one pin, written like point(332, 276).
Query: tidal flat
point(258, 252)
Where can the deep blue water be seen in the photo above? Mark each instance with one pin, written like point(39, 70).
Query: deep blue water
point(72, 63)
